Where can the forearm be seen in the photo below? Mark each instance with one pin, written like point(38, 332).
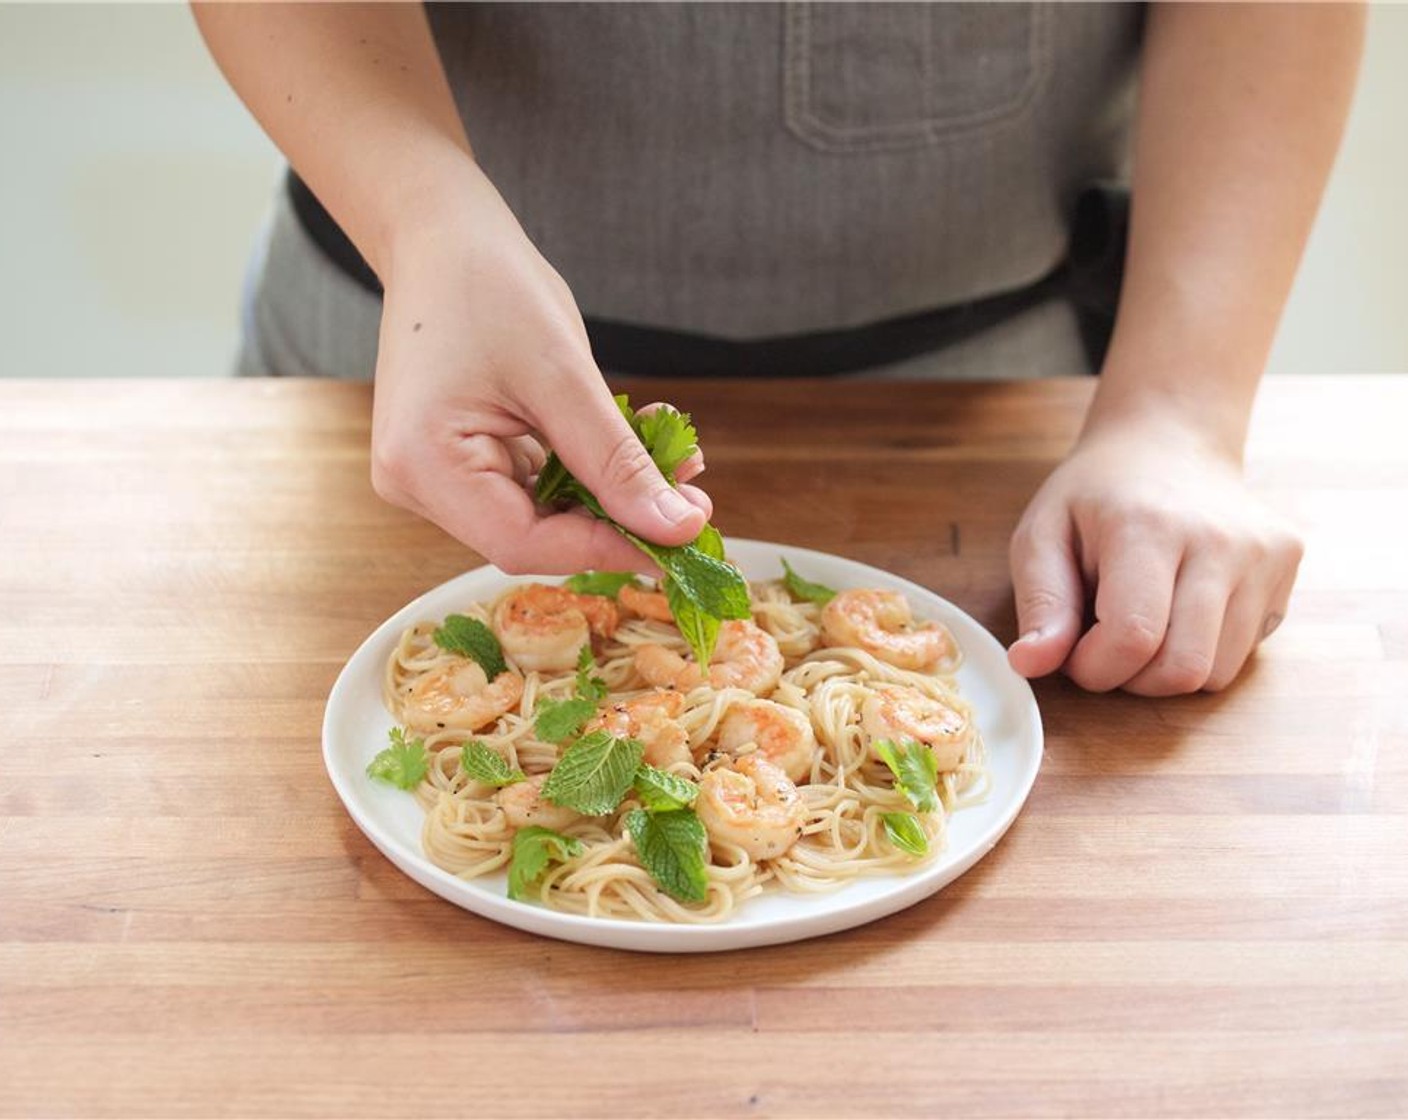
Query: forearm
point(355, 97)
point(1241, 111)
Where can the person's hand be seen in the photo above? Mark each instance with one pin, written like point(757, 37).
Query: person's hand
point(482, 360)
point(1187, 570)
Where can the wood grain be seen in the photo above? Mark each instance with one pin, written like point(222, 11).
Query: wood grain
point(1202, 910)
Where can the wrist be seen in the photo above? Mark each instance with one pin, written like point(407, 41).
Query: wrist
point(1131, 408)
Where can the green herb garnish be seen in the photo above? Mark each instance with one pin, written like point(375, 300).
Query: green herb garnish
point(660, 791)
point(915, 769)
point(706, 590)
point(533, 849)
point(805, 589)
point(594, 773)
point(905, 832)
point(673, 847)
point(471, 638)
point(607, 584)
point(486, 765)
point(403, 764)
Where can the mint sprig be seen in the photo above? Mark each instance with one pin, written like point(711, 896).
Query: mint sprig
point(711, 588)
point(915, 769)
point(471, 638)
point(905, 832)
point(403, 764)
point(486, 765)
point(673, 847)
point(594, 773)
point(533, 849)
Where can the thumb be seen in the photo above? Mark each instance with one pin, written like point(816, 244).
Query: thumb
point(1050, 596)
point(600, 449)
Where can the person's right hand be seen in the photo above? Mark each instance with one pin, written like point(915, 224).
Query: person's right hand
point(482, 360)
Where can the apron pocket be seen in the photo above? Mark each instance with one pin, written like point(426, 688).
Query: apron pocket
point(876, 77)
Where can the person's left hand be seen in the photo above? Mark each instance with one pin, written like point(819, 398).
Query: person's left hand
point(1186, 568)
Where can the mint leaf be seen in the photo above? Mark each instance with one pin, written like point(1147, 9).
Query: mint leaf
point(533, 848)
point(471, 638)
point(559, 720)
point(659, 790)
point(905, 832)
point(594, 773)
point(486, 765)
point(589, 686)
point(699, 630)
point(804, 589)
point(915, 769)
point(673, 847)
point(710, 542)
point(715, 587)
point(608, 584)
point(403, 764)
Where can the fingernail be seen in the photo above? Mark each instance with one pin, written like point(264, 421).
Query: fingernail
point(673, 506)
point(1029, 636)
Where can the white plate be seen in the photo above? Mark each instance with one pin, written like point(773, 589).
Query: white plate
point(356, 724)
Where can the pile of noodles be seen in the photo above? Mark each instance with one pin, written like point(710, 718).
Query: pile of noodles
point(845, 794)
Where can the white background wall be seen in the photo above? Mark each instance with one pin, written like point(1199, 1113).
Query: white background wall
point(131, 181)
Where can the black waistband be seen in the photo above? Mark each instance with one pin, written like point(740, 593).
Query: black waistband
point(1090, 279)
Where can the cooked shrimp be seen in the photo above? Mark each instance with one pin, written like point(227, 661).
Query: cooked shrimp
point(544, 628)
point(781, 735)
point(880, 623)
point(753, 804)
point(898, 713)
point(649, 719)
point(459, 696)
point(744, 657)
point(647, 604)
point(523, 804)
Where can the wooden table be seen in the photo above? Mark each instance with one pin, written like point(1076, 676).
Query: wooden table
point(1202, 910)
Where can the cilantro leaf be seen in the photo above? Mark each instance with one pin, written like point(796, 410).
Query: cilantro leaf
point(533, 848)
point(589, 686)
point(484, 764)
point(403, 764)
point(559, 720)
point(905, 832)
point(659, 790)
point(804, 589)
point(667, 433)
point(594, 773)
point(607, 584)
point(673, 847)
point(915, 769)
point(471, 638)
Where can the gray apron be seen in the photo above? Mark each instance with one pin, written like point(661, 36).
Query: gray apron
point(754, 170)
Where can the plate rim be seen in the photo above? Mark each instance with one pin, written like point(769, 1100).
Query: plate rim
point(662, 937)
